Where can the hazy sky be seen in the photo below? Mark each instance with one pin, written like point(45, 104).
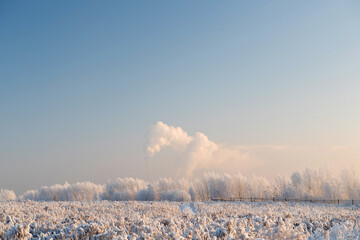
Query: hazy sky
point(82, 81)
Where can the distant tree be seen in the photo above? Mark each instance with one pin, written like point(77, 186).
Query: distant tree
point(7, 195)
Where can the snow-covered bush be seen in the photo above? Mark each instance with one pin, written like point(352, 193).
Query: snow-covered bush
point(147, 194)
point(310, 184)
point(175, 196)
point(19, 232)
point(81, 191)
point(124, 189)
point(6, 195)
point(192, 194)
point(201, 189)
point(84, 191)
point(173, 220)
point(30, 195)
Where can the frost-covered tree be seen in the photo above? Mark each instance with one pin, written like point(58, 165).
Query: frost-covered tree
point(351, 183)
point(147, 194)
point(124, 189)
point(201, 189)
point(81, 191)
point(309, 184)
point(192, 194)
point(7, 195)
point(175, 196)
point(296, 179)
point(239, 186)
point(259, 187)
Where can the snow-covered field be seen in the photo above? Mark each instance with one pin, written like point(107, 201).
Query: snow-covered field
point(172, 220)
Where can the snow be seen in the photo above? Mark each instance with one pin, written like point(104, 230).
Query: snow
point(175, 220)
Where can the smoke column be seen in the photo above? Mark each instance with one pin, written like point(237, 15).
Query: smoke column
point(196, 151)
point(161, 136)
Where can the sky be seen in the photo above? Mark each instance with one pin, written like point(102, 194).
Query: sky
point(83, 85)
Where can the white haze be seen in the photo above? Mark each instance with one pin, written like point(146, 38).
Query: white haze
point(171, 151)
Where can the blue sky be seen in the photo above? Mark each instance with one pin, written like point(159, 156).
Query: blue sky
point(82, 81)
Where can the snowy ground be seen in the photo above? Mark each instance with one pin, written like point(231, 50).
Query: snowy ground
point(170, 220)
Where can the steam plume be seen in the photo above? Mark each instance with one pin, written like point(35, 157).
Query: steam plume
point(196, 151)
